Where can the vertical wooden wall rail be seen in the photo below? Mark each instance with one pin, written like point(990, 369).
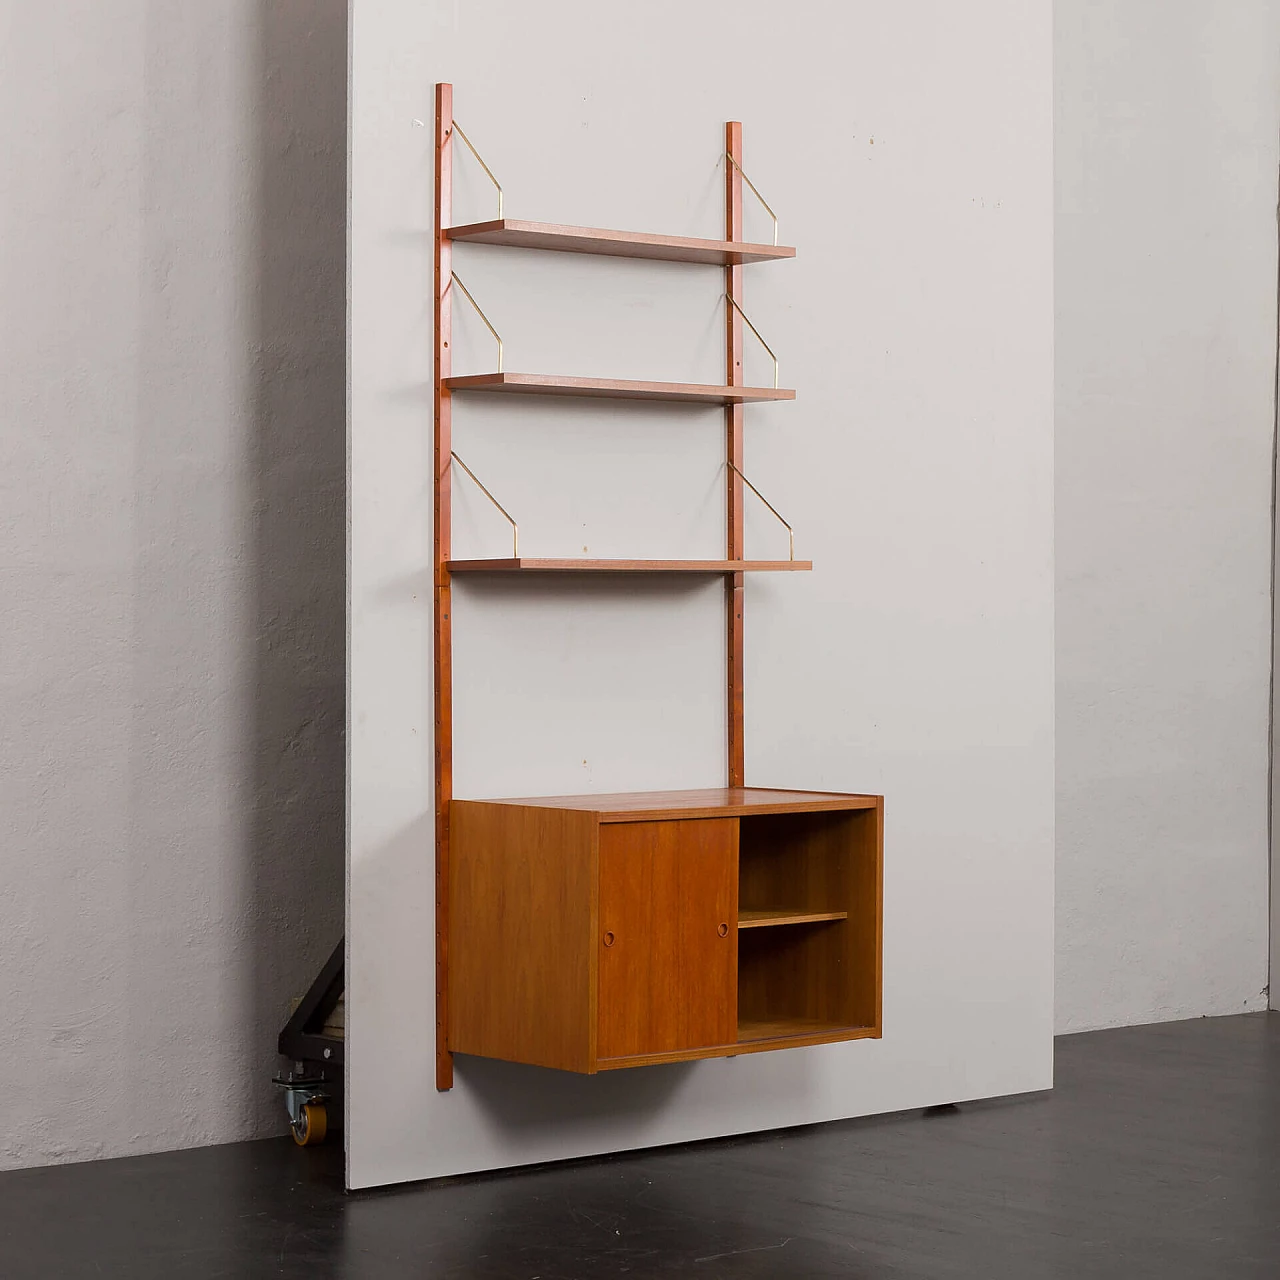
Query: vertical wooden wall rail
point(441, 541)
point(734, 376)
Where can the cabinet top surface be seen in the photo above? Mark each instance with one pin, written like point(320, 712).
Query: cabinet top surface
point(710, 802)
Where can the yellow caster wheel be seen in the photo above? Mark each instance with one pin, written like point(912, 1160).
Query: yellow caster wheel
point(311, 1125)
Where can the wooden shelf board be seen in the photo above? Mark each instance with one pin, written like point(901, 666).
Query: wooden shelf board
point(517, 234)
point(709, 802)
point(767, 919)
point(542, 384)
point(525, 564)
point(791, 1028)
point(753, 1037)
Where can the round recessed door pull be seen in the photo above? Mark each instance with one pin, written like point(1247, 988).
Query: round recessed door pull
point(723, 930)
point(608, 938)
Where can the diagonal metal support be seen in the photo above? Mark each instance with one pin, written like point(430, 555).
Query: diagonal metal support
point(728, 297)
point(497, 337)
point(754, 192)
point(455, 127)
point(790, 532)
point(515, 529)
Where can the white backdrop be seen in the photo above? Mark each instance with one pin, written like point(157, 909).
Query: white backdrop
point(1167, 155)
point(908, 152)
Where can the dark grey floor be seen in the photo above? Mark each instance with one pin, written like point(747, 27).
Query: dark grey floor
point(1158, 1154)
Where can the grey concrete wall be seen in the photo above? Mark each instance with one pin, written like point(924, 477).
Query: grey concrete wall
point(172, 240)
point(1167, 122)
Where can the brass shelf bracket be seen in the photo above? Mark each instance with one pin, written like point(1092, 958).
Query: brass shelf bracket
point(455, 127)
point(728, 297)
point(497, 337)
point(791, 537)
point(515, 530)
point(754, 191)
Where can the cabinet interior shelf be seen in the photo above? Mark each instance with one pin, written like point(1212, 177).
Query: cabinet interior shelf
point(755, 1036)
point(542, 384)
point(516, 234)
point(798, 1029)
point(524, 564)
point(767, 919)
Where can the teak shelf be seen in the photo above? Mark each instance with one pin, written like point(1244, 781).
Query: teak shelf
point(525, 565)
point(708, 802)
point(772, 917)
point(615, 244)
point(589, 933)
point(542, 384)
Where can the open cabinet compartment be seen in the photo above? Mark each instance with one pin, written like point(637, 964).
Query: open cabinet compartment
point(809, 924)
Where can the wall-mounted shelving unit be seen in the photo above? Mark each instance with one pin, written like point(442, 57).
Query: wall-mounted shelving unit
point(596, 932)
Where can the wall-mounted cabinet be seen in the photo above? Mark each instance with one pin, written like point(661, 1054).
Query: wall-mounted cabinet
point(596, 932)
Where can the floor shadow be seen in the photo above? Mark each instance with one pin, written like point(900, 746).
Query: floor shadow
point(297, 468)
point(528, 1102)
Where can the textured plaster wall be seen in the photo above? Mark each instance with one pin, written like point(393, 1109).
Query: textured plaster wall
point(172, 201)
point(1167, 122)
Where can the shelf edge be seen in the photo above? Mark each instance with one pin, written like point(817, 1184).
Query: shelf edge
point(804, 1040)
point(516, 233)
point(780, 919)
point(527, 564)
point(544, 384)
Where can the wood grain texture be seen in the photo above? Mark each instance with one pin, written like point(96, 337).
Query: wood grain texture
point(735, 535)
point(796, 976)
point(667, 948)
point(796, 862)
point(518, 234)
point(787, 1029)
point(441, 540)
point(525, 564)
point(770, 919)
point(522, 972)
point(794, 1034)
point(826, 972)
point(866, 898)
point(543, 384)
point(705, 802)
point(601, 931)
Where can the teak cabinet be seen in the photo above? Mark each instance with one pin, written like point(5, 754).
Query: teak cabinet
point(595, 932)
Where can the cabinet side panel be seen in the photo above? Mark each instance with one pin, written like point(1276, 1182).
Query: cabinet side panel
point(867, 908)
point(521, 890)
